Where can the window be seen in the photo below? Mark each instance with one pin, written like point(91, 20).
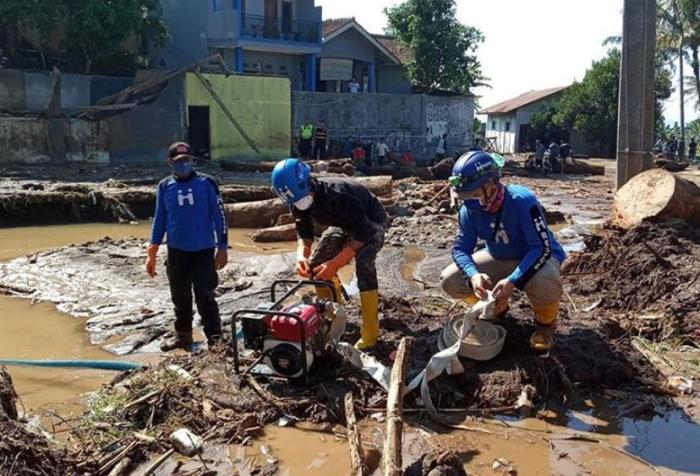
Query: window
point(507, 126)
point(493, 125)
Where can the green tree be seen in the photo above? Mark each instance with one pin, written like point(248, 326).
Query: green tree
point(443, 49)
point(591, 105)
point(95, 35)
point(544, 126)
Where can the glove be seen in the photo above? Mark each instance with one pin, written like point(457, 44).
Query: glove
point(303, 253)
point(326, 271)
point(151, 260)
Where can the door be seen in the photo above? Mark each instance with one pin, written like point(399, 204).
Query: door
point(271, 30)
point(524, 138)
point(286, 18)
point(199, 132)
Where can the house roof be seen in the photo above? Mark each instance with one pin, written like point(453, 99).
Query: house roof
point(393, 45)
point(520, 101)
point(336, 26)
point(333, 24)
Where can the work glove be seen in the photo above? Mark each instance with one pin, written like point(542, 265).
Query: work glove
point(303, 253)
point(326, 271)
point(151, 260)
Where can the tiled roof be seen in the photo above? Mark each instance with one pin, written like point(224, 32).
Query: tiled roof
point(393, 45)
point(520, 101)
point(334, 24)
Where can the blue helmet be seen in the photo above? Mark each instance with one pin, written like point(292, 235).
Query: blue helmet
point(473, 170)
point(290, 180)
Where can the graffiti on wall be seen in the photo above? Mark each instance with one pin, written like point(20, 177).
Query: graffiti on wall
point(446, 118)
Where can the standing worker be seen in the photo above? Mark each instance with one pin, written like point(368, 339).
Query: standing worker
point(306, 134)
point(520, 248)
point(320, 141)
point(357, 222)
point(382, 151)
point(190, 212)
point(692, 149)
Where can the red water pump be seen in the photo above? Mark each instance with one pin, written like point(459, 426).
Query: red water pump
point(289, 337)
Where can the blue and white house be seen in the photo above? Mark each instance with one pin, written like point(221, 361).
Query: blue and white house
point(270, 37)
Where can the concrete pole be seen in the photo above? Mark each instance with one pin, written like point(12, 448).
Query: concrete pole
point(635, 126)
point(681, 88)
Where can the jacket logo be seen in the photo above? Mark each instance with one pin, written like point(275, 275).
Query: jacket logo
point(189, 198)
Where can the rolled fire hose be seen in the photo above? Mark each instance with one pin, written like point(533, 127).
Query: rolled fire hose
point(116, 365)
point(484, 342)
point(456, 340)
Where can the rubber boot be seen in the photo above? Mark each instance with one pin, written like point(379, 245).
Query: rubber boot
point(542, 340)
point(369, 334)
point(180, 341)
point(324, 293)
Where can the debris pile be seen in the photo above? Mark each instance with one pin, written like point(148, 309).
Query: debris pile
point(649, 274)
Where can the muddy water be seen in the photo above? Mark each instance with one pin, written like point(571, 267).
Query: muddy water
point(299, 453)
point(39, 331)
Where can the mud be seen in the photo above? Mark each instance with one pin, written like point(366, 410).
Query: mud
point(649, 274)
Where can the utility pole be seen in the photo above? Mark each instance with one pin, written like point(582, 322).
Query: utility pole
point(635, 125)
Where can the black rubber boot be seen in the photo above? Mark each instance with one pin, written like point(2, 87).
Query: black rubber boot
point(180, 341)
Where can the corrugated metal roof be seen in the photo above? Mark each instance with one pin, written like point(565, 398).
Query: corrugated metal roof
point(520, 101)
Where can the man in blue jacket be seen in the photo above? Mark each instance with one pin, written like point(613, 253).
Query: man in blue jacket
point(189, 210)
point(521, 251)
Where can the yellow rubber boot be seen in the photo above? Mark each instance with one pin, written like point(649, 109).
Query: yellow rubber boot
point(325, 293)
point(542, 340)
point(369, 334)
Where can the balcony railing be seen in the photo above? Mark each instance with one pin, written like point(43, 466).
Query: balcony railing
point(258, 26)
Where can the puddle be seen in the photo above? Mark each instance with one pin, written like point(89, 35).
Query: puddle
point(39, 331)
point(15, 242)
point(299, 453)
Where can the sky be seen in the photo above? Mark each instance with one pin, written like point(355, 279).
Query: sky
point(529, 44)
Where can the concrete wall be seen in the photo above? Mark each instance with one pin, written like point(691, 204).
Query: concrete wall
point(407, 121)
point(144, 133)
point(259, 62)
point(23, 91)
point(260, 104)
point(504, 128)
point(188, 23)
point(34, 140)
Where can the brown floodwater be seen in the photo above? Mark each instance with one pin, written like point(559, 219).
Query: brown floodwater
point(40, 331)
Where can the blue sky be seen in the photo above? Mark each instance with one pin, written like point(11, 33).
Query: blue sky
point(530, 44)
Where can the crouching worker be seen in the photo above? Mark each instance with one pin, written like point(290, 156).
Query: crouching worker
point(356, 223)
point(189, 210)
point(520, 251)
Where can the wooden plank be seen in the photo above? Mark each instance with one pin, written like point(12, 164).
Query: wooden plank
point(394, 408)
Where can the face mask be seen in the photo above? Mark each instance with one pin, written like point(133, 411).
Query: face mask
point(182, 168)
point(305, 203)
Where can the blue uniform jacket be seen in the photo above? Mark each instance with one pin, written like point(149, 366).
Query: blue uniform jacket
point(518, 231)
point(191, 212)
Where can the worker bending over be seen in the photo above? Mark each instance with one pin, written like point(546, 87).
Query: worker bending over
point(356, 223)
point(520, 251)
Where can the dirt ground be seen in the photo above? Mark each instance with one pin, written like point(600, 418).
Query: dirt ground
point(625, 286)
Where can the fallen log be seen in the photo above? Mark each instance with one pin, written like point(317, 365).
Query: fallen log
point(252, 166)
point(275, 234)
point(260, 214)
point(578, 167)
point(394, 407)
point(657, 195)
point(264, 213)
point(357, 466)
point(243, 193)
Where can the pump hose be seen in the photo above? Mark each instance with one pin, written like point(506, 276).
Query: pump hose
point(116, 365)
point(484, 342)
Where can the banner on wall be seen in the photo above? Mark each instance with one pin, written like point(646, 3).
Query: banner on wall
point(336, 69)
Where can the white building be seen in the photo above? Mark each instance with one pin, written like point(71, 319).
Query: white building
point(508, 122)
